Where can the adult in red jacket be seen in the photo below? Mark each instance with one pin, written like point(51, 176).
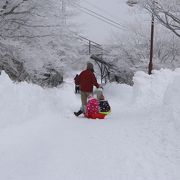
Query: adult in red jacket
point(86, 81)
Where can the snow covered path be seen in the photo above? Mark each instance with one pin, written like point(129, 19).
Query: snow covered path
point(41, 139)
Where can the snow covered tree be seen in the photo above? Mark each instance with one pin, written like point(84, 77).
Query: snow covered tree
point(41, 35)
point(13, 16)
point(129, 51)
point(167, 12)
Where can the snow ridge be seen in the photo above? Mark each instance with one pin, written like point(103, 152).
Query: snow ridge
point(41, 139)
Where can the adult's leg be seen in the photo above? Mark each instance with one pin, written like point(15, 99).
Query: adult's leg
point(75, 89)
point(84, 96)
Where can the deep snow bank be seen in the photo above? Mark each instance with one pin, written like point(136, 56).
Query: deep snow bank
point(159, 88)
point(24, 101)
point(40, 138)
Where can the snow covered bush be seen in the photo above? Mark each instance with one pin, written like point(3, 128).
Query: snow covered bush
point(41, 35)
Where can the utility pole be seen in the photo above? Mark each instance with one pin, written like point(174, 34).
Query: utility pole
point(152, 41)
point(151, 46)
point(150, 67)
point(89, 47)
point(63, 10)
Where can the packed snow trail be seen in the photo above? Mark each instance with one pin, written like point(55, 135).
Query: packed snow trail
point(40, 138)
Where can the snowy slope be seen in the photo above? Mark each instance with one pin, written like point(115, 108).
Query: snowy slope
point(41, 139)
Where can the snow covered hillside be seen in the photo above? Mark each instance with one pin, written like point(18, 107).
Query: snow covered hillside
point(40, 138)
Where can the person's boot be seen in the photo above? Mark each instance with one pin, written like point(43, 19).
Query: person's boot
point(78, 113)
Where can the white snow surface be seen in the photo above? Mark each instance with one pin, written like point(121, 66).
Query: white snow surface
point(41, 139)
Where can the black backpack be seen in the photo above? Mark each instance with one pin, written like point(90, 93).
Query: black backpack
point(104, 107)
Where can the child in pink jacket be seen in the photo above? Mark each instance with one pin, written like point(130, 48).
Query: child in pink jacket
point(97, 108)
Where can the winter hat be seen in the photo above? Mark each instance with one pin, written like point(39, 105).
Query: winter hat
point(99, 94)
point(90, 66)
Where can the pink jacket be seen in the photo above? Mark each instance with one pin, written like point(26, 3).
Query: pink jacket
point(92, 109)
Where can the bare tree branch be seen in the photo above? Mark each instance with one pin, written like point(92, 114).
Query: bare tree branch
point(170, 18)
point(12, 9)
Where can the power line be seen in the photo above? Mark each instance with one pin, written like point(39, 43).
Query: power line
point(100, 19)
point(99, 16)
point(98, 8)
point(102, 16)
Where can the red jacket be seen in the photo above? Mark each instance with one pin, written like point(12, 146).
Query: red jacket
point(87, 80)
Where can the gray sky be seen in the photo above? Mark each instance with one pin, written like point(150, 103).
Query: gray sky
point(97, 30)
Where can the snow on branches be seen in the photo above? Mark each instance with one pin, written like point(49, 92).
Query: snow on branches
point(167, 12)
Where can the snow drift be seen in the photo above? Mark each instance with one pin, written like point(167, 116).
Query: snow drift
point(41, 139)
